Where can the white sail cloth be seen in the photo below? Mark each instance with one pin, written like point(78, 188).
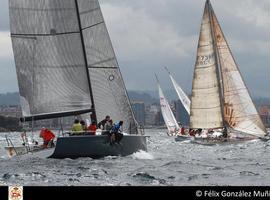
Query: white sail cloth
point(239, 111)
point(205, 109)
point(167, 114)
point(219, 94)
point(181, 94)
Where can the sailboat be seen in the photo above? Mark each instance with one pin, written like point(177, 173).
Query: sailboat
point(166, 111)
point(181, 94)
point(220, 100)
point(66, 66)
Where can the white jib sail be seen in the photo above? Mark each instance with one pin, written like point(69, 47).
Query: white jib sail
point(181, 94)
point(167, 113)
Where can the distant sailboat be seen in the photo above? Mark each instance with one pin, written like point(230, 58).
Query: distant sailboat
point(181, 94)
point(166, 111)
point(66, 66)
point(220, 99)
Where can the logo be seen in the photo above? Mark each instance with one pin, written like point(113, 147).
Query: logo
point(111, 77)
point(15, 193)
point(219, 38)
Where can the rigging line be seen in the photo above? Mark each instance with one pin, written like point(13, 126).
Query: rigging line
point(41, 9)
point(102, 61)
point(91, 26)
point(93, 67)
point(43, 34)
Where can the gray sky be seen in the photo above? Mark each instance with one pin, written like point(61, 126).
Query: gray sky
point(149, 34)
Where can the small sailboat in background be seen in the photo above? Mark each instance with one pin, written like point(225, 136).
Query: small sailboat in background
point(221, 106)
point(183, 133)
point(66, 66)
point(181, 94)
point(166, 111)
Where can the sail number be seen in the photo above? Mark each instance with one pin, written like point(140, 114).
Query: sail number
point(205, 60)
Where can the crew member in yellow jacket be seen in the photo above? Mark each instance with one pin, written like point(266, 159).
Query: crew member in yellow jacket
point(77, 127)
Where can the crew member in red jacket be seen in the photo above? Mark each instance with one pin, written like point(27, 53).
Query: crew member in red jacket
point(47, 136)
point(92, 128)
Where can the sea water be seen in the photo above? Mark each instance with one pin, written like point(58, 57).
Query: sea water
point(167, 163)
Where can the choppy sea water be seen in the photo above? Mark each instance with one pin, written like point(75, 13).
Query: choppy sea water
point(167, 163)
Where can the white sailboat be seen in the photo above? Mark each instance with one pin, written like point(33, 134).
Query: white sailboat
point(166, 111)
point(220, 99)
point(66, 66)
point(181, 94)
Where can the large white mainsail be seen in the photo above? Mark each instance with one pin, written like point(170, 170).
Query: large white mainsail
point(206, 111)
point(239, 110)
point(181, 94)
point(167, 113)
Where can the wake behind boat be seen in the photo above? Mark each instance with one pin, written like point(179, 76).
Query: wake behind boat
point(66, 66)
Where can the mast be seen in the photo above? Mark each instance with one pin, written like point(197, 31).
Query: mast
point(218, 71)
point(86, 62)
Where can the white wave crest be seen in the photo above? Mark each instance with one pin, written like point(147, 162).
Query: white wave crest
point(143, 155)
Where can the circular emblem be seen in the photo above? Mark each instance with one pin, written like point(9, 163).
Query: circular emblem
point(111, 77)
point(219, 38)
point(15, 193)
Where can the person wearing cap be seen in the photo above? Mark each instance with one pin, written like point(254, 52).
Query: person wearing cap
point(101, 125)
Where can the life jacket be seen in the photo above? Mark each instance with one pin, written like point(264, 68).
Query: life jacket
point(182, 131)
point(47, 135)
point(115, 128)
point(77, 127)
point(92, 128)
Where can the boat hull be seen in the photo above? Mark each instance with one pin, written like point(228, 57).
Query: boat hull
point(97, 146)
point(181, 138)
point(216, 141)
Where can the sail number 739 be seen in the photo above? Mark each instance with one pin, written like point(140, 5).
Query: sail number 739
point(205, 60)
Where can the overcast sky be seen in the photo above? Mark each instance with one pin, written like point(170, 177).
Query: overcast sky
point(149, 34)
